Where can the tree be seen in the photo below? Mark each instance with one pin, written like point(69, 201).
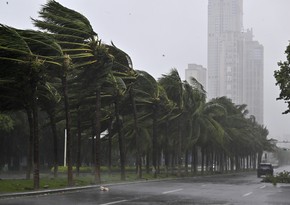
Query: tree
point(114, 89)
point(174, 88)
point(49, 99)
point(191, 102)
point(81, 49)
point(283, 79)
point(21, 53)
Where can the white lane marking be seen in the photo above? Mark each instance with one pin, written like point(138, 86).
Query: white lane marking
point(247, 194)
point(176, 190)
point(262, 187)
point(114, 202)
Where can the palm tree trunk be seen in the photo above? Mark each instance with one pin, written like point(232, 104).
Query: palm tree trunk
point(110, 148)
point(55, 144)
point(166, 149)
point(166, 158)
point(255, 161)
point(154, 141)
point(30, 145)
point(97, 140)
point(202, 159)
point(36, 142)
point(226, 159)
point(232, 160)
point(137, 137)
point(79, 144)
point(207, 156)
point(237, 160)
point(260, 154)
point(93, 152)
point(179, 161)
point(121, 142)
point(147, 161)
point(194, 156)
point(68, 132)
point(159, 156)
point(172, 165)
point(222, 162)
point(186, 162)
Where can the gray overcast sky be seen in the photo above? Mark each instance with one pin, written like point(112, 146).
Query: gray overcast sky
point(164, 34)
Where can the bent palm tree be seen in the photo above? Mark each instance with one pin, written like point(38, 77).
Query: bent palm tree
point(81, 47)
point(174, 88)
point(21, 51)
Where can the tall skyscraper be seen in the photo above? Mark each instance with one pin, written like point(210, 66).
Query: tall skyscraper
point(233, 56)
point(253, 76)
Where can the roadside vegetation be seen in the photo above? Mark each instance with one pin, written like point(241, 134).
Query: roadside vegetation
point(68, 98)
point(281, 177)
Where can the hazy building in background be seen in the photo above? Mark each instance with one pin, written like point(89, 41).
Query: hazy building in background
point(198, 72)
point(235, 61)
point(225, 22)
point(253, 72)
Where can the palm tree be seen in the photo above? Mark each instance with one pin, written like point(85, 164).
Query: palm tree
point(118, 82)
point(81, 47)
point(242, 134)
point(149, 97)
point(207, 130)
point(174, 88)
point(22, 53)
point(117, 89)
point(191, 100)
point(49, 99)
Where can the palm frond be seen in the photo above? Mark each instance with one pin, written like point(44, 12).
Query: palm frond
point(10, 39)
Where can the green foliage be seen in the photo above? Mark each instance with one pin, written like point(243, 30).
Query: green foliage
point(281, 177)
point(22, 185)
point(283, 80)
point(6, 123)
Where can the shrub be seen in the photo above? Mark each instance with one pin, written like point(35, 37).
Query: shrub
point(281, 177)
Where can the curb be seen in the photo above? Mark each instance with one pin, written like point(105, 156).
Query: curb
point(45, 192)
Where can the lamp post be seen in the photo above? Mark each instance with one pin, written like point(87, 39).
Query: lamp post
point(64, 154)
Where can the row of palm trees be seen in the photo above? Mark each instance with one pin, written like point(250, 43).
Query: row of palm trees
point(64, 70)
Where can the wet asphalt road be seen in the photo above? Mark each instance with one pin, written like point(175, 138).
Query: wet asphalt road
point(242, 189)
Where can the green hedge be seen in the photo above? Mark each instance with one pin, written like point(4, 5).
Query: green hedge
point(282, 177)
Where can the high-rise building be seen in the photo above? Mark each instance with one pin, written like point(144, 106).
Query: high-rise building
point(225, 22)
point(235, 61)
point(253, 73)
point(198, 72)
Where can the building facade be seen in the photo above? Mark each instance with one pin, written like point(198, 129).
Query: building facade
point(235, 61)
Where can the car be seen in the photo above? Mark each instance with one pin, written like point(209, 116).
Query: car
point(265, 169)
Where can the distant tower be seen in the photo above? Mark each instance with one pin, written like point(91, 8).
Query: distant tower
point(253, 73)
point(225, 22)
point(231, 57)
point(198, 72)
